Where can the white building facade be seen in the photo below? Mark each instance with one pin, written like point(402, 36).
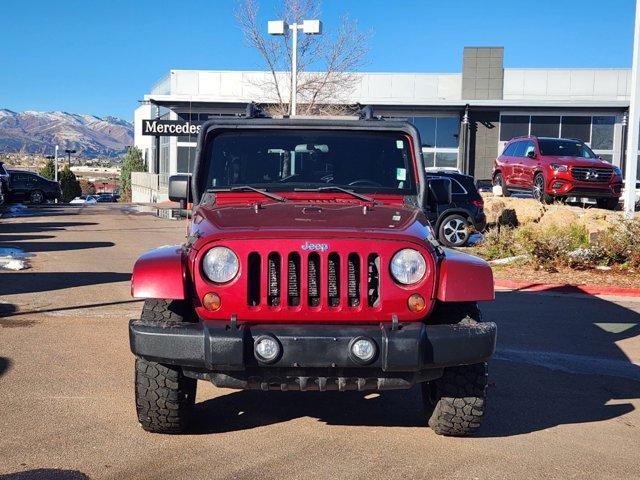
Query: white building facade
point(464, 118)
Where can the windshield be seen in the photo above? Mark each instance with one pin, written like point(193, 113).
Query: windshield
point(565, 148)
point(285, 160)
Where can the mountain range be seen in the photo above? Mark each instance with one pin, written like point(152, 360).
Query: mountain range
point(39, 132)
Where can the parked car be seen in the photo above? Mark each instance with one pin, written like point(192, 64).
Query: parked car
point(556, 169)
point(31, 187)
point(85, 199)
point(107, 198)
point(310, 265)
point(455, 222)
point(4, 184)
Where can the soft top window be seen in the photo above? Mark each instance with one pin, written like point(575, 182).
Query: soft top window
point(282, 160)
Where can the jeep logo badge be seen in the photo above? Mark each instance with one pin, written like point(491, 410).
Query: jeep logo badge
point(318, 247)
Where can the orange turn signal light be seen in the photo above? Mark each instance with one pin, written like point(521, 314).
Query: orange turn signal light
point(416, 303)
point(211, 301)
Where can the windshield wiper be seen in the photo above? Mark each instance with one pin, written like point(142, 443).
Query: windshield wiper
point(329, 188)
point(239, 188)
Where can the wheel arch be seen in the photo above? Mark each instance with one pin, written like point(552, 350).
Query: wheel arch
point(464, 278)
point(160, 273)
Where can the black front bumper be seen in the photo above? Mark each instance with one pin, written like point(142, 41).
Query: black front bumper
point(313, 357)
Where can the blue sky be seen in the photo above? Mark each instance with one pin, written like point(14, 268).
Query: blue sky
point(99, 57)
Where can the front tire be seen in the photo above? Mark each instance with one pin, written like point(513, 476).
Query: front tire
point(454, 231)
point(539, 190)
point(457, 401)
point(164, 395)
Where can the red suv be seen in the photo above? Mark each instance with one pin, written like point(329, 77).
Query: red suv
point(556, 168)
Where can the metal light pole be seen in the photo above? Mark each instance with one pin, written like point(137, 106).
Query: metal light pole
point(309, 27)
point(631, 167)
point(55, 161)
point(69, 152)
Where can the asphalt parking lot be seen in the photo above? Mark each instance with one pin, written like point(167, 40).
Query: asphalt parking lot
point(563, 402)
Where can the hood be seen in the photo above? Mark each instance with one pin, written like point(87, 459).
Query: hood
point(322, 220)
point(578, 161)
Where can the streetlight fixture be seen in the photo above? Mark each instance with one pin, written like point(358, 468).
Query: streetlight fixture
point(308, 27)
point(69, 152)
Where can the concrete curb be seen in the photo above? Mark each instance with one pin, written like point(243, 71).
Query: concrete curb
point(566, 288)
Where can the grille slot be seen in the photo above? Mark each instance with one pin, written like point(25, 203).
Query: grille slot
point(273, 288)
point(333, 279)
point(373, 280)
point(313, 280)
point(253, 279)
point(293, 283)
point(591, 174)
point(353, 280)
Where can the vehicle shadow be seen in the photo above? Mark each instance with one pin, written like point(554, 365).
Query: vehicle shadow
point(30, 282)
point(557, 363)
point(5, 365)
point(39, 227)
point(46, 474)
point(35, 247)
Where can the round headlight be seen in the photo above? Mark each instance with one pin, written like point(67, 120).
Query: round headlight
point(220, 265)
point(408, 266)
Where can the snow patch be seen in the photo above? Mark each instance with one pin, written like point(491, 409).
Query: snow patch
point(14, 259)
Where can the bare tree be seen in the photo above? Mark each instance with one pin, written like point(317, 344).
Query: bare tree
point(335, 57)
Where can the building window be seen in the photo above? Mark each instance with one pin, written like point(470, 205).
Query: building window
point(578, 128)
point(186, 159)
point(440, 139)
point(602, 133)
point(545, 126)
point(513, 126)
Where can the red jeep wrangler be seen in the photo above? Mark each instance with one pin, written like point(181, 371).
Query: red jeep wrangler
point(310, 265)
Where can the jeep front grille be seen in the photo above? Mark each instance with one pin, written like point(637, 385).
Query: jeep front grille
point(591, 174)
point(333, 273)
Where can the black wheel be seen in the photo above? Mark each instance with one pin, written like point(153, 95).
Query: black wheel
point(164, 395)
point(538, 191)
point(607, 203)
point(498, 180)
point(456, 402)
point(36, 197)
point(454, 231)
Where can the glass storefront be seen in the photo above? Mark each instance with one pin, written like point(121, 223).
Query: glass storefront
point(597, 131)
point(440, 138)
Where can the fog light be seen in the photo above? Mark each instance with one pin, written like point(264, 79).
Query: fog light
point(363, 350)
point(211, 301)
point(556, 185)
point(266, 349)
point(416, 303)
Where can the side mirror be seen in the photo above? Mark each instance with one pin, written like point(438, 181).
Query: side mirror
point(438, 191)
point(180, 188)
point(531, 154)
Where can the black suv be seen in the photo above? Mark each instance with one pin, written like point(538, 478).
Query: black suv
point(455, 222)
point(4, 184)
point(32, 187)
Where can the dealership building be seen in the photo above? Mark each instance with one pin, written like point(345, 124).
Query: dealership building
point(464, 118)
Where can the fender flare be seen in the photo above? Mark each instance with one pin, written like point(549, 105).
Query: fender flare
point(160, 273)
point(464, 278)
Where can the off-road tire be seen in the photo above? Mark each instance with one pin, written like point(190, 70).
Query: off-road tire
point(456, 402)
point(164, 395)
point(498, 179)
